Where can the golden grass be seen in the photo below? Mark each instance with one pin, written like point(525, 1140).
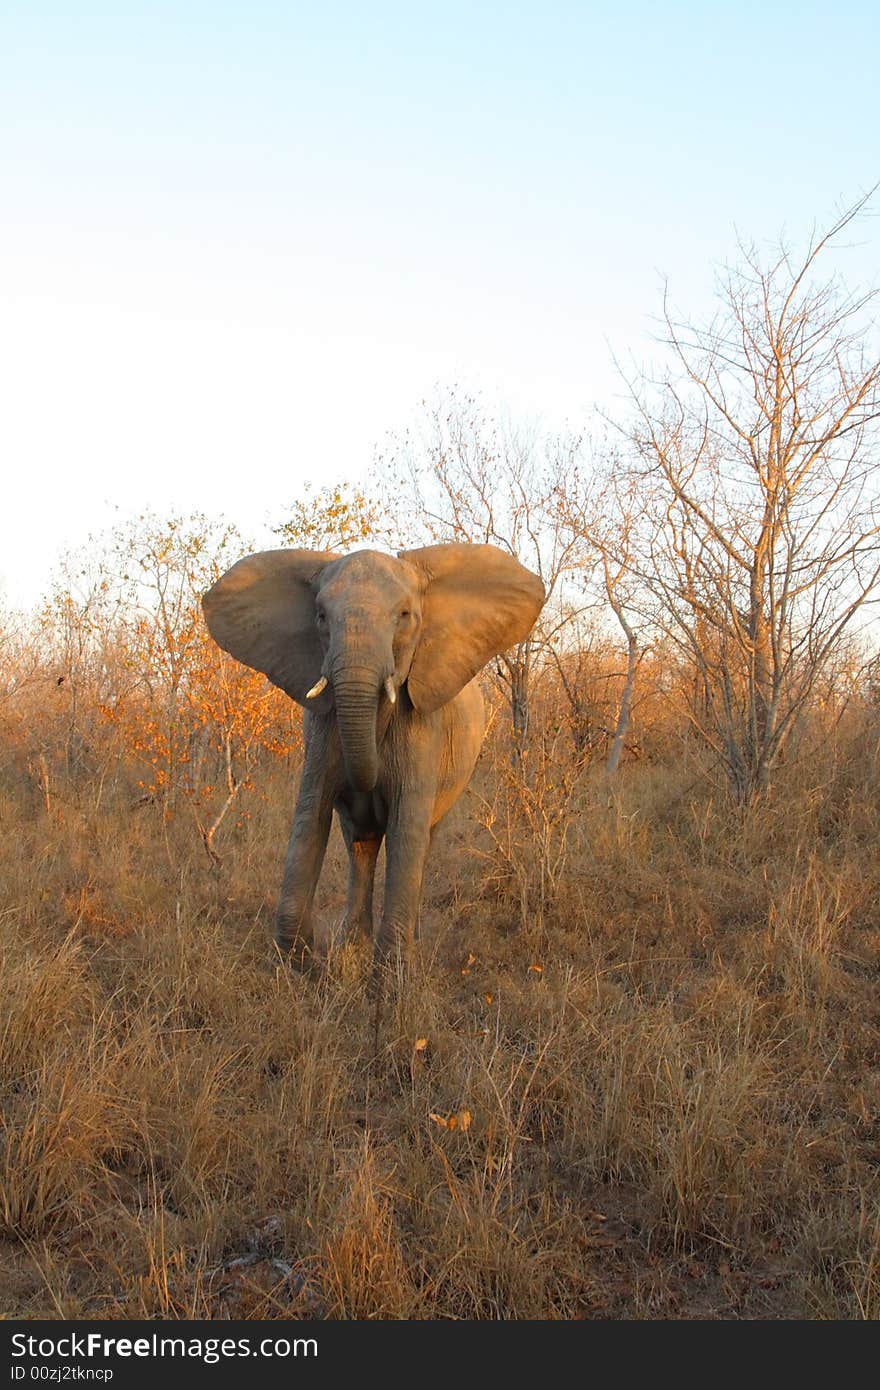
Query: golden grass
point(676, 1115)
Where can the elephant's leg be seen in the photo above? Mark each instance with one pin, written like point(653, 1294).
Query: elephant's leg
point(363, 852)
point(305, 851)
point(432, 835)
point(408, 838)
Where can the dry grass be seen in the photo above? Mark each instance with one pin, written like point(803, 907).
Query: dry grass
point(677, 1115)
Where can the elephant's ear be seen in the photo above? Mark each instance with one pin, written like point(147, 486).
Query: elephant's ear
point(477, 602)
point(262, 611)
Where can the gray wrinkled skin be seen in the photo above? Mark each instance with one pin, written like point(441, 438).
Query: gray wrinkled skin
point(418, 626)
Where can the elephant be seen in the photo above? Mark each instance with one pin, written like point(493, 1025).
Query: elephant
point(382, 652)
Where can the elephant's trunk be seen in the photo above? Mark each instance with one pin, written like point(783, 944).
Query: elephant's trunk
point(356, 695)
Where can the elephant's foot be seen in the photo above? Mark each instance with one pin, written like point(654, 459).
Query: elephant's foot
point(392, 961)
point(295, 945)
point(356, 929)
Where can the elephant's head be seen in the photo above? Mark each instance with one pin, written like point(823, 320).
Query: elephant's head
point(352, 630)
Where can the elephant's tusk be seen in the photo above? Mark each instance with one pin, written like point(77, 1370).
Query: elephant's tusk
point(317, 688)
point(389, 690)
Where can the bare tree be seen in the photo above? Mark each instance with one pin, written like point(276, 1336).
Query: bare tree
point(612, 575)
point(759, 535)
point(599, 510)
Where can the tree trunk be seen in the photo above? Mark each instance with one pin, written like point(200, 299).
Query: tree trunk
point(519, 707)
point(632, 658)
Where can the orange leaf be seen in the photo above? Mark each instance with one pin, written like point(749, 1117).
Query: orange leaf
point(461, 1120)
point(536, 969)
point(420, 1045)
point(487, 997)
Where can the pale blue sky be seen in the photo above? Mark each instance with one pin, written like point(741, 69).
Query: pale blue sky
point(240, 243)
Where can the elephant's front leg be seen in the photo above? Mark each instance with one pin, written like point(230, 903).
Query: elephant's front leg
point(305, 852)
point(407, 840)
